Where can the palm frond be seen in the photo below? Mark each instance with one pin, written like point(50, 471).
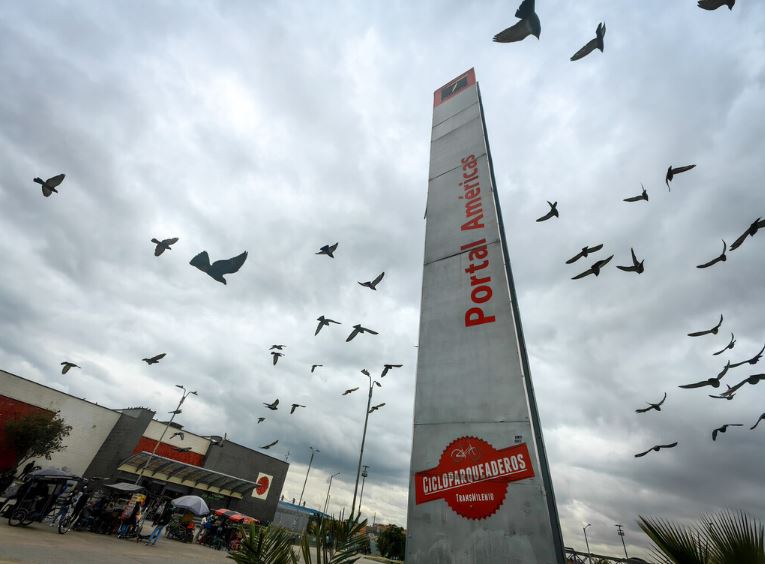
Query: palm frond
point(675, 544)
point(265, 545)
point(349, 539)
point(735, 538)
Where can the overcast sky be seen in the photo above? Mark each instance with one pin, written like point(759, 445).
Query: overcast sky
point(279, 128)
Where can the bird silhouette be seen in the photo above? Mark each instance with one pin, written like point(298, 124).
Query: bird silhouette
point(294, 407)
point(359, 329)
point(760, 418)
point(49, 186)
point(217, 269)
point(183, 449)
point(178, 434)
point(277, 347)
point(592, 44)
point(714, 4)
point(594, 269)
point(163, 245)
point(656, 448)
point(154, 359)
point(714, 382)
point(67, 365)
point(328, 250)
point(723, 429)
point(754, 360)
point(272, 406)
point(584, 253)
point(751, 231)
point(376, 407)
point(636, 266)
point(656, 406)
point(276, 356)
point(176, 411)
point(388, 367)
point(269, 445)
point(726, 395)
point(730, 345)
point(712, 331)
point(261, 419)
point(373, 283)
point(324, 321)
point(529, 24)
point(753, 380)
point(721, 258)
point(315, 366)
point(643, 196)
point(671, 172)
point(350, 391)
point(553, 212)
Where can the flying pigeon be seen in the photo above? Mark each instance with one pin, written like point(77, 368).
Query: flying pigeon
point(584, 252)
point(553, 212)
point(163, 245)
point(217, 269)
point(373, 284)
point(754, 360)
point(712, 331)
point(261, 419)
point(272, 406)
point(728, 346)
point(294, 407)
point(529, 24)
point(643, 196)
point(594, 269)
point(726, 395)
point(723, 429)
point(277, 347)
point(714, 4)
point(656, 448)
point(183, 449)
point(636, 266)
point(315, 366)
point(671, 172)
point(176, 412)
point(714, 382)
point(756, 225)
point(376, 407)
point(324, 321)
point(760, 418)
point(592, 44)
point(67, 365)
point(154, 359)
point(269, 445)
point(328, 250)
point(350, 391)
point(753, 379)
point(359, 329)
point(49, 186)
point(387, 367)
point(656, 406)
point(178, 434)
point(715, 260)
point(276, 356)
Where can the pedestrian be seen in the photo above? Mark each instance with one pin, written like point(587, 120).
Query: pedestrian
point(159, 523)
point(129, 521)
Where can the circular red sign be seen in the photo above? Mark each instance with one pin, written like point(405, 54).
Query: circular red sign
point(261, 486)
point(476, 500)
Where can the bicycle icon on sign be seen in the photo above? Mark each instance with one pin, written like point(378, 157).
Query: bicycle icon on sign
point(463, 454)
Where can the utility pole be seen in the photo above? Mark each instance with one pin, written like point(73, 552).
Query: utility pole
point(621, 534)
point(372, 383)
point(167, 426)
point(326, 501)
point(313, 451)
point(589, 554)
point(363, 479)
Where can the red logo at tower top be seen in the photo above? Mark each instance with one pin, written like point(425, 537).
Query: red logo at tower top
point(472, 476)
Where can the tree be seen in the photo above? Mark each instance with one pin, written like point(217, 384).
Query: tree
point(392, 542)
point(36, 436)
point(264, 545)
point(726, 538)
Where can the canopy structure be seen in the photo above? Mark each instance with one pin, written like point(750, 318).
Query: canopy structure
point(53, 473)
point(125, 487)
point(174, 472)
point(235, 516)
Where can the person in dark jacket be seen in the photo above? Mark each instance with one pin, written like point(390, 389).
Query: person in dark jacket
point(160, 523)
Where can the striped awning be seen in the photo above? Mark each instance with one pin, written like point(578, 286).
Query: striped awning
point(174, 472)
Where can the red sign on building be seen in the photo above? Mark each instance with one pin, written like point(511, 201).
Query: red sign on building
point(472, 476)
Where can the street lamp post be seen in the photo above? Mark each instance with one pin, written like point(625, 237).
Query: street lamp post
point(175, 412)
point(326, 501)
point(313, 451)
point(621, 534)
point(363, 436)
point(589, 554)
point(363, 479)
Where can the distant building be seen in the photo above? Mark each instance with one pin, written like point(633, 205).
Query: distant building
point(115, 444)
point(294, 517)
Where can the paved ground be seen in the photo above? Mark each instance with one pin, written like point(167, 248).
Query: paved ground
point(41, 544)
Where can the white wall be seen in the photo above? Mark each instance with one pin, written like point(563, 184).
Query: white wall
point(91, 424)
